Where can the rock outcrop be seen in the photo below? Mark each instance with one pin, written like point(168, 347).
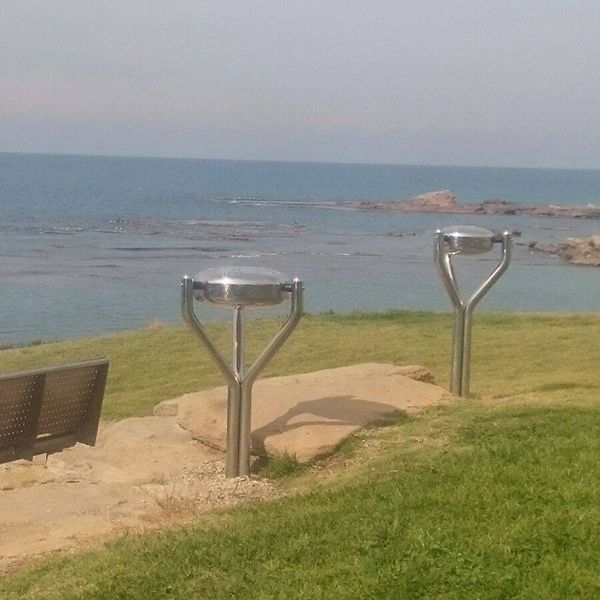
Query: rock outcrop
point(579, 251)
point(439, 199)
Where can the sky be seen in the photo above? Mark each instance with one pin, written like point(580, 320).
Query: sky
point(460, 82)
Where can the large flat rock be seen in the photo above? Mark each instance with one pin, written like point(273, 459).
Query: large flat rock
point(308, 415)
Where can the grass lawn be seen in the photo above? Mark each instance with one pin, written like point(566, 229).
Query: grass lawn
point(496, 497)
point(511, 353)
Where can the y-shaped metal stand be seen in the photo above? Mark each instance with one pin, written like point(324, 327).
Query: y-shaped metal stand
point(239, 384)
point(463, 311)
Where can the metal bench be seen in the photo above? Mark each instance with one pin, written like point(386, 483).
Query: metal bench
point(47, 410)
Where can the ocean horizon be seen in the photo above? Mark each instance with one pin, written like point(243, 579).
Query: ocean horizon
point(300, 161)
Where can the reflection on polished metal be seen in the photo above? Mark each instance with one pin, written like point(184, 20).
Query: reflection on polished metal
point(241, 286)
point(466, 239)
point(238, 288)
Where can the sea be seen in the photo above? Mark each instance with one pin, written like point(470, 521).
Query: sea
point(95, 244)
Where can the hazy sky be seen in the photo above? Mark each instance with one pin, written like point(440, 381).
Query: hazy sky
point(471, 82)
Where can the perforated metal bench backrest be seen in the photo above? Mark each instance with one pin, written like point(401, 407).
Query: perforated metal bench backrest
point(47, 410)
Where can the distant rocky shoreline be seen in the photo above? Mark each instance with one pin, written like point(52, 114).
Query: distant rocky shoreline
point(444, 201)
point(577, 251)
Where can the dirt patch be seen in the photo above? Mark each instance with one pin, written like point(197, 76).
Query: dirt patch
point(143, 472)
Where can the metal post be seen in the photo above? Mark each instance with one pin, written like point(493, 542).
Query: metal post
point(463, 311)
point(232, 451)
point(233, 384)
point(458, 329)
point(257, 366)
point(446, 271)
point(239, 382)
point(187, 311)
point(238, 342)
point(245, 431)
point(470, 305)
point(465, 372)
point(234, 395)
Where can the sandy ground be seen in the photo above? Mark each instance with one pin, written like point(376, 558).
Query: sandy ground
point(142, 473)
point(149, 471)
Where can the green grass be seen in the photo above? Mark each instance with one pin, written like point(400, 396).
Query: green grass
point(511, 353)
point(281, 466)
point(466, 502)
point(497, 497)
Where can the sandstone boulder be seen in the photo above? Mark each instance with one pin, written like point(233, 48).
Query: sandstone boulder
point(309, 415)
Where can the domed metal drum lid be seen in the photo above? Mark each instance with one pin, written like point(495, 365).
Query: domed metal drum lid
point(468, 239)
point(241, 286)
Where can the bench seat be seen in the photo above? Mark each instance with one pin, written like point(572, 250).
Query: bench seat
point(47, 410)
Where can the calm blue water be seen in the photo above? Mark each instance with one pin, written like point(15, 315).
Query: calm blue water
point(94, 244)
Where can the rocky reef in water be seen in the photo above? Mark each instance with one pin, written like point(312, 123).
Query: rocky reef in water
point(444, 201)
point(578, 251)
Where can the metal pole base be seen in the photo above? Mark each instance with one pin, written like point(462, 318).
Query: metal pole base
point(234, 395)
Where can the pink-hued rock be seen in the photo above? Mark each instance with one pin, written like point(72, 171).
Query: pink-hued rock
point(437, 199)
